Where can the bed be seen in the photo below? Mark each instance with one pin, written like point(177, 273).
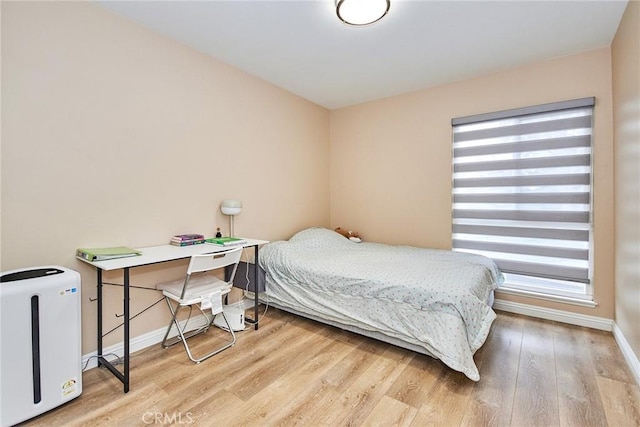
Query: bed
point(431, 301)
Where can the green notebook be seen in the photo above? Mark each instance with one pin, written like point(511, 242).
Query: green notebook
point(226, 241)
point(101, 254)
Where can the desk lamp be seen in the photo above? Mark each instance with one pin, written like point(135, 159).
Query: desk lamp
point(231, 207)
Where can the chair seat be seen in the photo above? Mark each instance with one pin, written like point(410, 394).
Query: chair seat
point(198, 287)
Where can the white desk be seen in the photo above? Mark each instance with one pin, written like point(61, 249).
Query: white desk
point(154, 255)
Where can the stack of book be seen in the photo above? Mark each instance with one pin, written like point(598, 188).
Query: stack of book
point(187, 239)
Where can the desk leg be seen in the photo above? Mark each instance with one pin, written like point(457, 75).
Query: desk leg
point(126, 330)
point(99, 296)
point(101, 360)
point(256, 288)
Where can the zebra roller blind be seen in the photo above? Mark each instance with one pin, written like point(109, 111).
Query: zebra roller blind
point(522, 188)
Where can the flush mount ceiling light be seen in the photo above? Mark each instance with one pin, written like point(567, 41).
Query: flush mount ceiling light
point(361, 12)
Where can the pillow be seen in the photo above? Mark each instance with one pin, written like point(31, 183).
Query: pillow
point(318, 236)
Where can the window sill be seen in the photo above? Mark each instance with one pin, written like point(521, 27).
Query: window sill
point(547, 297)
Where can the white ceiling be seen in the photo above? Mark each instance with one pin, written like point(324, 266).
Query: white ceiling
point(301, 46)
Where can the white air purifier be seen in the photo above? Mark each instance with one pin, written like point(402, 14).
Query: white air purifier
point(40, 341)
point(235, 317)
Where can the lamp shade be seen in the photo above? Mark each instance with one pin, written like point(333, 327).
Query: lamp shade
point(361, 12)
point(231, 207)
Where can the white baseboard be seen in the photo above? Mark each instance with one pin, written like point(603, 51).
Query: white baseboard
point(556, 315)
point(627, 352)
point(579, 320)
point(90, 361)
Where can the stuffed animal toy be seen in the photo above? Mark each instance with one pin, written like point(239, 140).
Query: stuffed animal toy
point(351, 235)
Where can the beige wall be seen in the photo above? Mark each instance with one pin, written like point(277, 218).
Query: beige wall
point(626, 107)
point(391, 159)
point(99, 115)
point(114, 135)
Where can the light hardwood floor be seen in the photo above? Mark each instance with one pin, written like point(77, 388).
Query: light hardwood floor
point(294, 371)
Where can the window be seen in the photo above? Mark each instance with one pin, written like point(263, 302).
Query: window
point(522, 195)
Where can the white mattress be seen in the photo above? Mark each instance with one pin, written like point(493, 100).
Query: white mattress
point(436, 300)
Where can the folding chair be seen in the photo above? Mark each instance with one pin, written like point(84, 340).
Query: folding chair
point(202, 290)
